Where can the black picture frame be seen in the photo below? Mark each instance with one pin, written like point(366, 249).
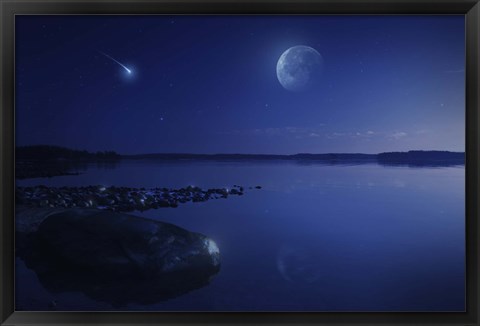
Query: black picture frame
point(10, 8)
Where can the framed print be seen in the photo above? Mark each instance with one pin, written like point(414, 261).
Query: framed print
point(280, 163)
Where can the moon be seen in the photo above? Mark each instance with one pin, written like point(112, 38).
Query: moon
point(299, 67)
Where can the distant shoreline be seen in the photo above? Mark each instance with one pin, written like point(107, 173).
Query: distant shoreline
point(387, 156)
point(48, 152)
point(50, 161)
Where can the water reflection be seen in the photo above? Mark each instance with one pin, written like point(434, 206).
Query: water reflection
point(298, 264)
point(119, 292)
point(367, 237)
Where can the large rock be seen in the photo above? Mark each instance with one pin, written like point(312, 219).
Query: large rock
point(118, 258)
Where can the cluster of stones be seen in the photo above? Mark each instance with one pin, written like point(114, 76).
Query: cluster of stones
point(121, 199)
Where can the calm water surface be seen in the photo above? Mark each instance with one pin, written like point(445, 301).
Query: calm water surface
point(314, 238)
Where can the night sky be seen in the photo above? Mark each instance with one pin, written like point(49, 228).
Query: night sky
point(208, 84)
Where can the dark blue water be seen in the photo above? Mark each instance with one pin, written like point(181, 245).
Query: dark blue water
point(314, 238)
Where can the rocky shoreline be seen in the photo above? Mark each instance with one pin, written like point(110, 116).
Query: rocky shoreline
point(119, 199)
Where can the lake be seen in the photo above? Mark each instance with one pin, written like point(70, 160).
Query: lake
point(315, 237)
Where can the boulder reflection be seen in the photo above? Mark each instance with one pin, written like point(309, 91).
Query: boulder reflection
point(117, 258)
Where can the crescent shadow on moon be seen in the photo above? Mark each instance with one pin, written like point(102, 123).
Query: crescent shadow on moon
point(299, 67)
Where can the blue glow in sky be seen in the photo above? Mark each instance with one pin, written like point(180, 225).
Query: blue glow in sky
point(208, 84)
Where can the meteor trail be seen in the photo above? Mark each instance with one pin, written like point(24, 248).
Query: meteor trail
point(122, 65)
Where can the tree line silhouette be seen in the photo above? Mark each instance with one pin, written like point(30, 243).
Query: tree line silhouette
point(48, 152)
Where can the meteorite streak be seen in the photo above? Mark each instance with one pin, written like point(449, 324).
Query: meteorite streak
point(121, 64)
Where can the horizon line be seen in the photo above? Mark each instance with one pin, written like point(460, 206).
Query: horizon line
point(237, 153)
point(298, 153)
